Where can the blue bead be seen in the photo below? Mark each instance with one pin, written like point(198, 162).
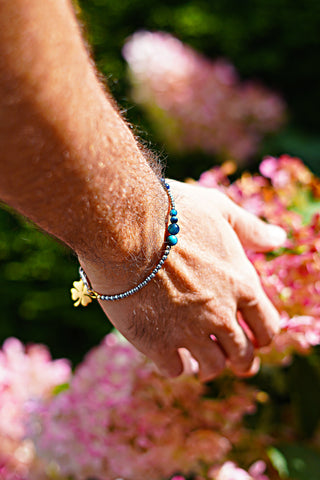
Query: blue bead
point(173, 228)
point(174, 219)
point(167, 186)
point(173, 212)
point(172, 240)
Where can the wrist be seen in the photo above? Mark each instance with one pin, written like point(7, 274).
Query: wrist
point(124, 253)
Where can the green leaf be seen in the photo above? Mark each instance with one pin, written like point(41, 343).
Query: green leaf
point(306, 205)
point(60, 388)
point(279, 462)
point(296, 462)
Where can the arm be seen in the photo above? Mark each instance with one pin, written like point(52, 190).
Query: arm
point(67, 157)
point(71, 165)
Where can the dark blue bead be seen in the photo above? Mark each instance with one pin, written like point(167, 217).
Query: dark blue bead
point(167, 186)
point(173, 212)
point(172, 240)
point(173, 228)
point(174, 219)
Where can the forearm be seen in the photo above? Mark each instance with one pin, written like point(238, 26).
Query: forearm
point(68, 161)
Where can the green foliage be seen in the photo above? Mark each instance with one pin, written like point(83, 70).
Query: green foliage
point(36, 277)
point(304, 390)
point(296, 462)
point(274, 41)
point(307, 206)
point(293, 142)
point(279, 462)
point(291, 408)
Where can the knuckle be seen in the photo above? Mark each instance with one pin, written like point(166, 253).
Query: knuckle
point(251, 291)
point(224, 319)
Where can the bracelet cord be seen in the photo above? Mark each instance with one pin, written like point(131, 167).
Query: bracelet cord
point(171, 240)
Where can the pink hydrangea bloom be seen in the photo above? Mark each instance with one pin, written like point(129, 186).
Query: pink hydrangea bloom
point(290, 277)
point(121, 419)
point(25, 374)
point(230, 471)
point(199, 104)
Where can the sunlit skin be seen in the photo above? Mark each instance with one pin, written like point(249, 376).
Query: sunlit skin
point(71, 164)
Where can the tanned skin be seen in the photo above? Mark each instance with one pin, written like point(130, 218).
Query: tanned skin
point(71, 165)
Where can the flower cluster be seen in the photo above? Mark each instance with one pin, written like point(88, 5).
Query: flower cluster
point(25, 374)
point(230, 471)
point(287, 194)
point(120, 418)
point(199, 104)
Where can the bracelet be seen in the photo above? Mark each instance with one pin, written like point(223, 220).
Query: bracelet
point(82, 292)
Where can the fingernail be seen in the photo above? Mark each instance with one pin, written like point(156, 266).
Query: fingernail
point(190, 365)
point(276, 235)
point(253, 370)
point(255, 367)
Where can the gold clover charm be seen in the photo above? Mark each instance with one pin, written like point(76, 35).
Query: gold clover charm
point(79, 294)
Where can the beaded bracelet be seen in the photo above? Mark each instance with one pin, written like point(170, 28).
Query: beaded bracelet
point(82, 292)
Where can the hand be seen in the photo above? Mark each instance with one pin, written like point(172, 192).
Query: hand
point(194, 300)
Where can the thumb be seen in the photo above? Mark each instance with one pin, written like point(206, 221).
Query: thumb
point(253, 233)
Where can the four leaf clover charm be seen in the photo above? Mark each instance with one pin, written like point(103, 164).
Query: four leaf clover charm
point(79, 294)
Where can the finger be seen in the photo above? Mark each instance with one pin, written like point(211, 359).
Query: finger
point(253, 233)
point(190, 365)
point(253, 370)
point(168, 363)
point(235, 343)
point(210, 358)
point(261, 316)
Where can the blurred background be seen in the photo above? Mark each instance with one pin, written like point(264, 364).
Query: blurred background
point(223, 80)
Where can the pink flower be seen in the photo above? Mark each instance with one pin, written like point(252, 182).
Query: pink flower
point(290, 278)
point(230, 471)
point(199, 104)
point(119, 408)
point(25, 373)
